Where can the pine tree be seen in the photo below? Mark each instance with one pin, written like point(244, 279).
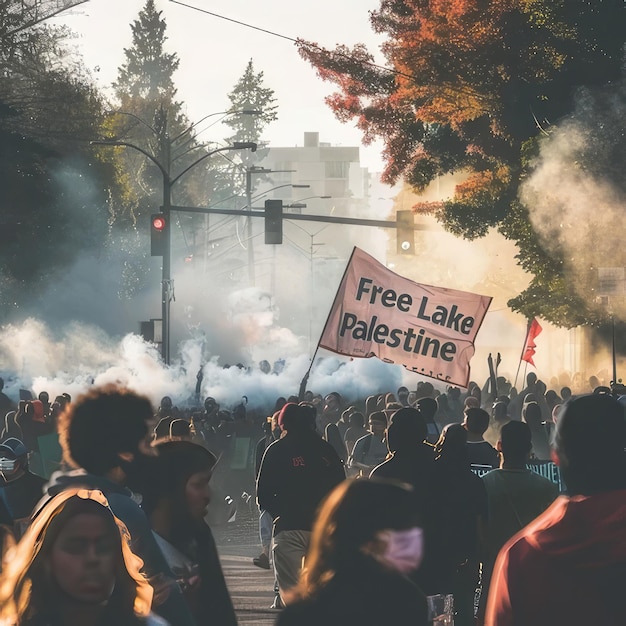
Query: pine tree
point(149, 114)
point(147, 74)
point(249, 94)
point(150, 117)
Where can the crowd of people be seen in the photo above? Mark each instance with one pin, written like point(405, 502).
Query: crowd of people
point(509, 506)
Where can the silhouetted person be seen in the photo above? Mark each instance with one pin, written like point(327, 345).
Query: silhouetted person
point(479, 451)
point(459, 504)
point(569, 565)
point(296, 473)
point(515, 496)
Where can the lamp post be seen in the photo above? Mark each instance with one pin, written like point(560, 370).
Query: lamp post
point(163, 163)
point(299, 204)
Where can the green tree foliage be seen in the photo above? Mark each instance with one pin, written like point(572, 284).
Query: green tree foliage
point(474, 85)
point(249, 94)
point(253, 106)
point(148, 115)
point(53, 206)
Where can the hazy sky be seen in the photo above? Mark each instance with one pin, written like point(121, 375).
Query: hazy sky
point(214, 52)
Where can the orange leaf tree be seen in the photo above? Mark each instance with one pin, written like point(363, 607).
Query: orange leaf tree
point(473, 85)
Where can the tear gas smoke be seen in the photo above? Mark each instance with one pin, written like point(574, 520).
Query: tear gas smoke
point(574, 203)
point(576, 193)
point(34, 358)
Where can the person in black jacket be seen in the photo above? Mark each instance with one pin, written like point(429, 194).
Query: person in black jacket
point(297, 472)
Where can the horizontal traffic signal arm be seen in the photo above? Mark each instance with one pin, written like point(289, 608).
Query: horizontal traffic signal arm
point(329, 219)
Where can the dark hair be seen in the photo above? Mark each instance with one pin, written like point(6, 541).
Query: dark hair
point(379, 416)
point(531, 414)
point(589, 441)
point(450, 448)
point(500, 411)
point(356, 419)
point(309, 414)
point(516, 441)
point(476, 420)
point(407, 430)
point(426, 389)
point(177, 462)
point(280, 403)
point(180, 428)
point(349, 517)
point(333, 437)
point(427, 407)
point(101, 424)
point(371, 405)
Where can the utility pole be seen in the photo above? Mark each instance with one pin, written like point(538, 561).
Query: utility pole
point(251, 271)
point(163, 163)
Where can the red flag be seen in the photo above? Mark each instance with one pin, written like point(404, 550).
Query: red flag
point(529, 347)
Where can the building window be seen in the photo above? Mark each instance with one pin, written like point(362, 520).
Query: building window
point(337, 169)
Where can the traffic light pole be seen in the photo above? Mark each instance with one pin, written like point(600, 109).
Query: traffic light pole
point(329, 219)
point(164, 163)
point(167, 289)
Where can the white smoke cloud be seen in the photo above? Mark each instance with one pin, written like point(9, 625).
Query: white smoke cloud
point(575, 202)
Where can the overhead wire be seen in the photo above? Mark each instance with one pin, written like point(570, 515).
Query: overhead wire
point(295, 40)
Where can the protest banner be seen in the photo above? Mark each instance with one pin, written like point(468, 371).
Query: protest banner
point(429, 330)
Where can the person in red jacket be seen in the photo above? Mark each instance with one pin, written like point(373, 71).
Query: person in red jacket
point(568, 566)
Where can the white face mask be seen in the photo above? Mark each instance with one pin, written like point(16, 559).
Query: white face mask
point(402, 549)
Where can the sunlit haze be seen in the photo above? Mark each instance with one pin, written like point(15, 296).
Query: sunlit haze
point(214, 52)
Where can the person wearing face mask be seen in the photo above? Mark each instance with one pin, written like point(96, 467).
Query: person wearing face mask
point(366, 541)
point(20, 489)
point(104, 435)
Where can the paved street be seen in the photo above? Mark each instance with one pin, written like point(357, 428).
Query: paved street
point(251, 588)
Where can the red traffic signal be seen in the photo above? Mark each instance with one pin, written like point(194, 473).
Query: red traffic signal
point(159, 233)
point(158, 222)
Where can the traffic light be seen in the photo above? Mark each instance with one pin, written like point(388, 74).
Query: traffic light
point(405, 237)
point(159, 232)
point(273, 221)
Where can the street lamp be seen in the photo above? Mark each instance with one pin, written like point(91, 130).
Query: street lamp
point(164, 165)
point(299, 204)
